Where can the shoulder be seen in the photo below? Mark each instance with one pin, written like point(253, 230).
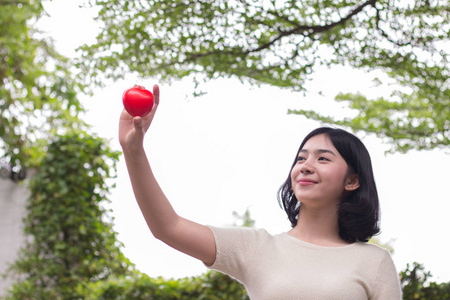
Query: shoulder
point(377, 259)
point(386, 282)
point(240, 235)
point(236, 248)
point(373, 256)
point(376, 265)
point(241, 241)
point(371, 250)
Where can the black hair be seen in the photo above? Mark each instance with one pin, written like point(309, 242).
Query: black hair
point(359, 210)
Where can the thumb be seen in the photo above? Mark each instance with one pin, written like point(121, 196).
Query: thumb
point(137, 121)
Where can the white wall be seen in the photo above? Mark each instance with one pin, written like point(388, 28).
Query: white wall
point(13, 198)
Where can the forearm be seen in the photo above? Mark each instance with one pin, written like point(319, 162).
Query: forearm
point(165, 224)
point(155, 207)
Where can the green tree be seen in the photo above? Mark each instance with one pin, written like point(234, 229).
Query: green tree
point(209, 286)
point(243, 220)
point(70, 238)
point(37, 90)
point(72, 241)
point(282, 42)
point(417, 286)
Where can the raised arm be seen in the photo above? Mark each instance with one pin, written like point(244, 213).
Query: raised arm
point(186, 236)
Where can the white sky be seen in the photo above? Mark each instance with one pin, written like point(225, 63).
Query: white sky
point(232, 148)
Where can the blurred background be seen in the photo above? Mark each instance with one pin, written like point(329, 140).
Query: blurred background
point(222, 144)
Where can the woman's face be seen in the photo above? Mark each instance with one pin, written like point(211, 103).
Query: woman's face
point(320, 175)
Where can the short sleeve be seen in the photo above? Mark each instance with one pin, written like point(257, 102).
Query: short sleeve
point(235, 249)
point(387, 284)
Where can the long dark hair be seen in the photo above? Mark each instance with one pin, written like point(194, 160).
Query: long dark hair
point(359, 211)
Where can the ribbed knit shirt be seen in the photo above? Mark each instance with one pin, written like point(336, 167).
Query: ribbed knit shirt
point(283, 267)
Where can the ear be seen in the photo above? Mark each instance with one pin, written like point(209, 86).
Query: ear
point(351, 183)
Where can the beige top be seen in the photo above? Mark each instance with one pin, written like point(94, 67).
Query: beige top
point(283, 267)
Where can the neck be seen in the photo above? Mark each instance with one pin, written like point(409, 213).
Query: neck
point(318, 226)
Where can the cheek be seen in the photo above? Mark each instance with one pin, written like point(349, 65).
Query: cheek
point(338, 176)
point(294, 172)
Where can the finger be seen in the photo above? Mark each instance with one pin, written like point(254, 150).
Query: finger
point(156, 93)
point(137, 122)
point(156, 103)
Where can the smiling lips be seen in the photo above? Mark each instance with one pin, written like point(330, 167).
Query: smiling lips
point(306, 181)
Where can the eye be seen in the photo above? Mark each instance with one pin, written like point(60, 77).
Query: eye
point(300, 158)
point(323, 158)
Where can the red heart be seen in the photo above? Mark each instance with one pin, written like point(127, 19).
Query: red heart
point(138, 101)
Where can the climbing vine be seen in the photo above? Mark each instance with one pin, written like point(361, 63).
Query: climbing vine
point(72, 240)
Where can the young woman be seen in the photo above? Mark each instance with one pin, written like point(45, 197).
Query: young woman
point(331, 200)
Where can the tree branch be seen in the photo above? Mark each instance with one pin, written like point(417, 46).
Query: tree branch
point(383, 33)
point(5, 2)
point(311, 29)
point(316, 29)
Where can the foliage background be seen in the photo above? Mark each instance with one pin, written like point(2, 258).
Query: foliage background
point(282, 43)
point(72, 118)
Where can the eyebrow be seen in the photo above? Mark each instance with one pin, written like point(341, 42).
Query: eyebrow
point(319, 151)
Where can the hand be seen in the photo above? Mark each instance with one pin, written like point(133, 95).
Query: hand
point(132, 130)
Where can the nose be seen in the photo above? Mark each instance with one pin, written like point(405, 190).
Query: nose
point(307, 167)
